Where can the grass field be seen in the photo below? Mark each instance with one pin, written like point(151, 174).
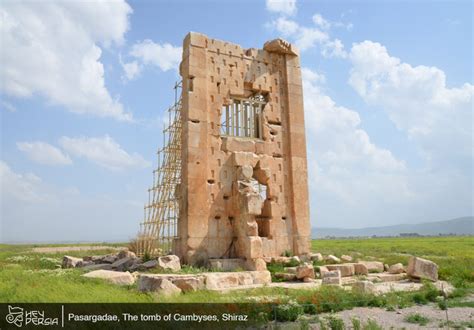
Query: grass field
point(454, 255)
point(35, 277)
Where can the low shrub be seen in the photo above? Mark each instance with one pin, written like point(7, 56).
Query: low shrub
point(288, 312)
point(417, 319)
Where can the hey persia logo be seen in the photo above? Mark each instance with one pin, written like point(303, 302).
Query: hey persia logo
point(19, 317)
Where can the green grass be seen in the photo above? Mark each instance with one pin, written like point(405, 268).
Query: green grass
point(36, 277)
point(417, 319)
point(454, 255)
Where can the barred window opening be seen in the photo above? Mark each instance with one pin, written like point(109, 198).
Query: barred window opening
point(243, 117)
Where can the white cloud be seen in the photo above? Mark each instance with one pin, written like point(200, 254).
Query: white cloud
point(165, 56)
point(8, 106)
point(285, 7)
point(23, 187)
point(334, 48)
point(286, 27)
point(319, 20)
point(303, 37)
point(103, 151)
point(417, 100)
point(307, 37)
point(44, 153)
point(53, 49)
point(350, 176)
point(34, 211)
point(132, 70)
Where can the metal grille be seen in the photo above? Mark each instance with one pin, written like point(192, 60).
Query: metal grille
point(243, 117)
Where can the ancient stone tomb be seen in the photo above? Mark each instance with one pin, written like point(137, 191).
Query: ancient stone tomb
point(242, 192)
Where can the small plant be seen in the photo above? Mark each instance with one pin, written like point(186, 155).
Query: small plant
point(372, 325)
point(335, 323)
point(417, 319)
point(288, 253)
point(309, 308)
point(356, 323)
point(431, 292)
point(420, 299)
point(443, 305)
point(146, 257)
point(288, 312)
point(292, 263)
point(390, 308)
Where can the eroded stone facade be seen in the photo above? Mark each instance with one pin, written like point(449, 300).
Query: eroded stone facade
point(243, 191)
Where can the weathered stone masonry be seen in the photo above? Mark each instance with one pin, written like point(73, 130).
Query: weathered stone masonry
point(243, 191)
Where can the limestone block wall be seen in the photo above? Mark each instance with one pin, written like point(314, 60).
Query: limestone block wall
point(214, 188)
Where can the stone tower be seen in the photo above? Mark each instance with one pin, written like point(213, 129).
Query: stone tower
point(243, 191)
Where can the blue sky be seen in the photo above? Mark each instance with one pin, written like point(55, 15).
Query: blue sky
point(388, 102)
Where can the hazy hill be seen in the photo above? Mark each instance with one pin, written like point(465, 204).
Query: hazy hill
point(459, 226)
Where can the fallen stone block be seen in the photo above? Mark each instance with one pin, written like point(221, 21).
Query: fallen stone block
point(160, 285)
point(386, 277)
point(360, 269)
point(295, 259)
point(84, 263)
point(322, 270)
point(70, 262)
point(422, 269)
point(308, 280)
point(123, 264)
point(220, 281)
point(345, 269)
point(305, 270)
point(373, 266)
point(150, 264)
point(245, 278)
point(396, 269)
point(291, 270)
point(169, 262)
point(261, 277)
point(120, 278)
point(256, 264)
point(126, 254)
point(286, 276)
point(346, 258)
point(316, 257)
point(191, 283)
point(110, 259)
point(97, 267)
point(332, 277)
point(332, 259)
point(281, 260)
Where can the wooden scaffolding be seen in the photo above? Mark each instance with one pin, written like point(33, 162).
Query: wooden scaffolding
point(161, 213)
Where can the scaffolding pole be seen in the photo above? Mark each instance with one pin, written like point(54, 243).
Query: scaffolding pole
point(160, 225)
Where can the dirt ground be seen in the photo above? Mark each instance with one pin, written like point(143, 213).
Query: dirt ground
point(458, 318)
point(72, 248)
point(396, 319)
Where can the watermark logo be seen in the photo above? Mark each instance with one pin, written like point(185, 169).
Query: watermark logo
point(15, 316)
point(19, 317)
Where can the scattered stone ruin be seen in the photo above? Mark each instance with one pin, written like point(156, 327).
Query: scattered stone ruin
point(231, 184)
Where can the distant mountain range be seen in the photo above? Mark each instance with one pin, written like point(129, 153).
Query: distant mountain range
point(458, 226)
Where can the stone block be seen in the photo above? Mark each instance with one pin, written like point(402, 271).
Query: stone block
point(120, 278)
point(422, 269)
point(345, 269)
point(396, 269)
point(226, 264)
point(160, 285)
point(332, 277)
point(373, 266)
point(305, 270)
point(70, 262)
